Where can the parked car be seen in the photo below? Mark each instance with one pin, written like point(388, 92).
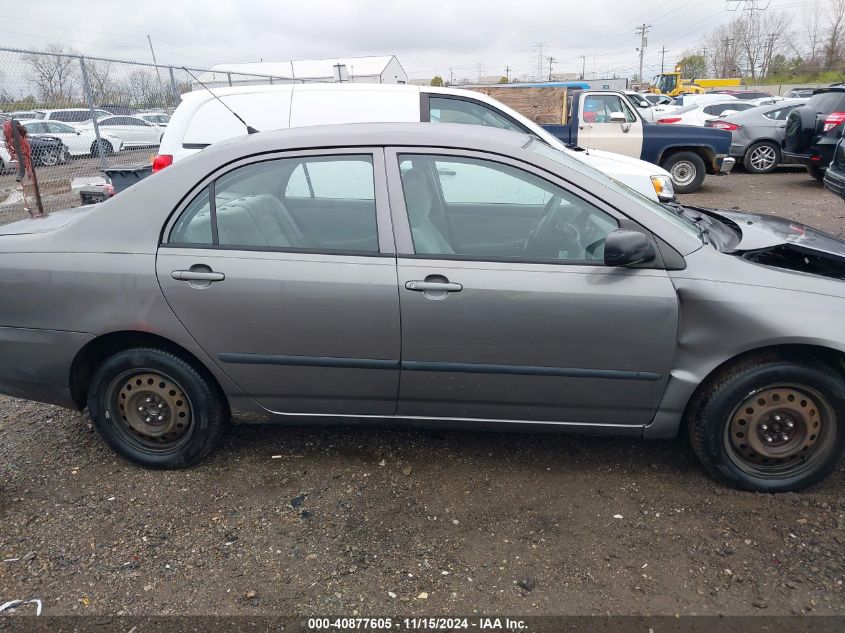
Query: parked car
point(71, 115)
point(757, 134)
point(5, 158)
point(655, 99)
point(158, 118)
point(204, 298)
point(24, 114)
point(700, 113)
point(765, 100)
point(745, 95)
point(201, 120)
point(79, 141)
point(698, 99)
point(813, 130)
point(834, 176)
point(799, 93)
point(131, 130)
point(649, 111)
point(119, 109)
point(48, 151)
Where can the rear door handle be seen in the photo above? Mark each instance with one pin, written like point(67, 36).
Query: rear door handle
point(428, 286)
point(196, 275)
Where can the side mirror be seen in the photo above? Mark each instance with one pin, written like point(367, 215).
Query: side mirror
point(618, 117)
point(626, 248)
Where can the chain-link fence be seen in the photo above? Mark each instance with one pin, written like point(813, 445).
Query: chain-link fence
point(84, 115)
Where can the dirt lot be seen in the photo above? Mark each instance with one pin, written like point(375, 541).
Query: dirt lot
point(400, 521)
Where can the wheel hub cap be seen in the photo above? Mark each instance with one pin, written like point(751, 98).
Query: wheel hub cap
point(154, 408)
point(776, 425)
point(763, 157)
point(683, 173)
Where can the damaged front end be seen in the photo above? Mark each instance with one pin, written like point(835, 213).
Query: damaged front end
point(781, 243)
point(795, 257)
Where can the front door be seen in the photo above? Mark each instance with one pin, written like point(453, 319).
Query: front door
point(281, 272)
point(508, 311)
point(596, 130)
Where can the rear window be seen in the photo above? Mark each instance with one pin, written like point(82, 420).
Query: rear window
point(827, 102)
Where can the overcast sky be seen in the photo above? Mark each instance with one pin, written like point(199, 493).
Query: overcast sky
point(428, 36)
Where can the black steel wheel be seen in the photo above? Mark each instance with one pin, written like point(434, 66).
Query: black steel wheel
point(771, 424)
point(156, 409)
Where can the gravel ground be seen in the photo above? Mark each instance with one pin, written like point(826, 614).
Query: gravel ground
point(404, 521)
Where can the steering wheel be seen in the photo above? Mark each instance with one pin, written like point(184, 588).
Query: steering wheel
point(546, 236)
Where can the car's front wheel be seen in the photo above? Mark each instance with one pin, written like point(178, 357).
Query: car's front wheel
point(108, 150)
point(155, 409)
point(50, 157)
point(687, 170)
point(770, 423)
point(762, 157)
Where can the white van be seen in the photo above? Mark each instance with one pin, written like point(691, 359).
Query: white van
point(201, 120)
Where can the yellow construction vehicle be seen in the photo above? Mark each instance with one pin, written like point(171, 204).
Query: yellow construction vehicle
point(673, 85)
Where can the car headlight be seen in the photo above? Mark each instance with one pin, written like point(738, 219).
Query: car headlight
point(663, 188)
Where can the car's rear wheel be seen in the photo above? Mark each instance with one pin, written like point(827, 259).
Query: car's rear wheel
point(108, 150)
point(762, 157)
point(687, 170)
point(770, 424)
point(50, 157)
point(816, 172)
point(155, 409)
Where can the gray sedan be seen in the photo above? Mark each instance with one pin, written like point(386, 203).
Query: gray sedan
point(757, 134)
point(438, 275)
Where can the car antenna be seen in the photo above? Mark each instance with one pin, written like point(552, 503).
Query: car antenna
point(249, 128)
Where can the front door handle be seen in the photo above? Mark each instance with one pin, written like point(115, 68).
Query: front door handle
point(433, 286)
point(197, 275)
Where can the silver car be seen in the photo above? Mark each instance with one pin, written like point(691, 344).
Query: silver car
point(757, 134)
point(448, 274)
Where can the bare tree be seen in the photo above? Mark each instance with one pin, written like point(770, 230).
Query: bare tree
point(141, 89)
point(55, 76)
point(104, 89)
point(812, 31)
point(834, 35)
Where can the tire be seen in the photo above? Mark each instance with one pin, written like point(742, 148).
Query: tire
point(687, 170)
point(733, 416)
point(816, 172)
point(108, 150)
point(49, 158)
point(762, 157)
point(184, 413)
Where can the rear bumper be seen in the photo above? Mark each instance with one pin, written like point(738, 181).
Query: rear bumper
point(727, 164)
point(35, 364)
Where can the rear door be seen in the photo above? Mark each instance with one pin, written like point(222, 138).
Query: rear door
point(597, 131)
point(282, 271)
point(508, 312)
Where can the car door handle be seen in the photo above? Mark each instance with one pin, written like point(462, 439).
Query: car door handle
point(197, 275)
point(429, 286)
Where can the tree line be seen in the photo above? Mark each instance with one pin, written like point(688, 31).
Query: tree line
point(771, 45)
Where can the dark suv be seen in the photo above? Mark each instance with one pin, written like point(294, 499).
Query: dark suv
point(814, 129)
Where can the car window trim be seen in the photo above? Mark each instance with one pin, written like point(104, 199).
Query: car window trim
point(384, 224)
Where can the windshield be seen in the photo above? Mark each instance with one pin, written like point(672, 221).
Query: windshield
point(686, 225)
point(665, 83)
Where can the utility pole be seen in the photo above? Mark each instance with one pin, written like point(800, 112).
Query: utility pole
point(662, 58)
point(451, 76)
point(508, 73)
point(539, 46)
point(642, 31)
point(158, 75)
point(551, 65)
point(583, 66)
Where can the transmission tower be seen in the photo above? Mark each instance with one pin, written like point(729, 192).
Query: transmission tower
point(539, 47)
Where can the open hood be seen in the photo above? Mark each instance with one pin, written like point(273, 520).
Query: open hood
point(779, 242)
